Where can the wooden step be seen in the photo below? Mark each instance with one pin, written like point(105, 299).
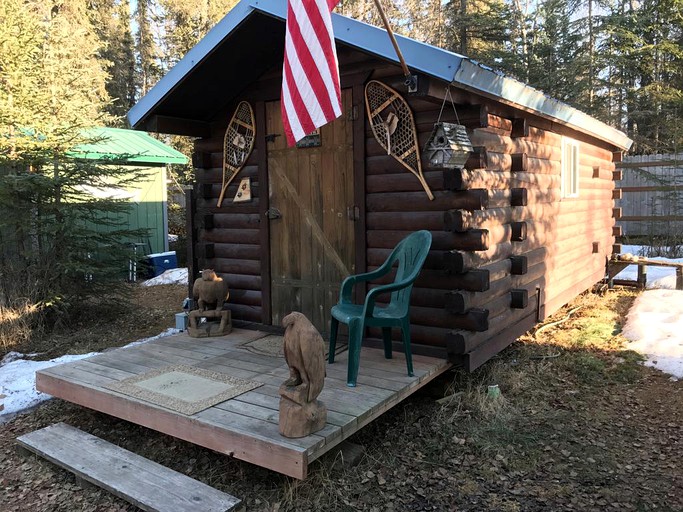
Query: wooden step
point(145, 484)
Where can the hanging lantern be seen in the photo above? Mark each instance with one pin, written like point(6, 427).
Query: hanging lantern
point(448, 146)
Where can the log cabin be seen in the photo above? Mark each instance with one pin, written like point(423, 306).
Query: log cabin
point(523, 227)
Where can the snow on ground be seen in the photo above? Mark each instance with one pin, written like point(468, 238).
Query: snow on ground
point(657, 277)
point(18, 376)
point(655, 327)
point(171, 276)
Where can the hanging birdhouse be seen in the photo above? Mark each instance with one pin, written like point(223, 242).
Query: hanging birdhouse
point(448, 146)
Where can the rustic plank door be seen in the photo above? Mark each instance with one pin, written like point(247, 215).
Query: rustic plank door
point(311, 211)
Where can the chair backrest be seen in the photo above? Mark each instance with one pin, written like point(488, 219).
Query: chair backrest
point(410, 253)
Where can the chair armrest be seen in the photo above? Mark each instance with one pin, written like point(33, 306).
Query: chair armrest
point(371, 297)
point(347, 285)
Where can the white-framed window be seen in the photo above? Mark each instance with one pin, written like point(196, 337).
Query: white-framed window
point(570, 167)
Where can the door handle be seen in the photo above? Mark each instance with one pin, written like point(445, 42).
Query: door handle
point(273, 213)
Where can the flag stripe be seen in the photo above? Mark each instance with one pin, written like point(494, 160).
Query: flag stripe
point(315, 77)
point(311, 95)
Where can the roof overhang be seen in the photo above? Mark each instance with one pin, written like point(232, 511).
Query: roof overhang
point(248, 41)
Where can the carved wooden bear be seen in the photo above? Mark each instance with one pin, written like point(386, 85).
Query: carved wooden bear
point(210, 291)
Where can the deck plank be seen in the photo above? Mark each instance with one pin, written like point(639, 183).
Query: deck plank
point(245, 427)
point(142, 482)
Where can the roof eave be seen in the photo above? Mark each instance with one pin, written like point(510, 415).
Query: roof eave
point(482, 80)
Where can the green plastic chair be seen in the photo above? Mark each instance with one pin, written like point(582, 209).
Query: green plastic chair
point(410, 253)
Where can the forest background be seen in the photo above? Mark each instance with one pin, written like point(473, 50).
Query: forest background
point(618, 60)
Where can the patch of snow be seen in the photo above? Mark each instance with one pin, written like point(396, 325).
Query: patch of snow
point(657, 277)
point(655, 327)
point(18, 382)
point(171, 276)
point(18, 376)
point(172, 238)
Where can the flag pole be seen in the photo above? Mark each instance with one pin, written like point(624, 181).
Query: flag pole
point(411, 80)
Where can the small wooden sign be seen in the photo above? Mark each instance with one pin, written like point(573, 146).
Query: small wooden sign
point(243, 194)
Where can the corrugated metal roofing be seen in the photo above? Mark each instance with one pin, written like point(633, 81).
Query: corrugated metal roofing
point(439, 63)
point(137, 147)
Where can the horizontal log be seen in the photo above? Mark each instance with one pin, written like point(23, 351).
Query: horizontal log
point(235, 236)
point(519, 162)
point(214, 175)
point(520, 128)
point(463, 342)
point(616, 213)
point(473, 320)
point(207, 206)
point(519, 298)
point(377, 257)
point(418, 201)
point(616, 193)
point(409, 221)
point(244, 282)
point(478, 158)
point(402, 182)
point(617, 175)
point(617, 231)
point(473, 240)
point(476, 280)
point(245, 297)
point(245, 312)
point(237, 251)
point(233, 266)
point(234, 220)
point(519, 231)
point(496, 344)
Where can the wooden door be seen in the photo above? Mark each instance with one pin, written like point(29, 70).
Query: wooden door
point(311, 210)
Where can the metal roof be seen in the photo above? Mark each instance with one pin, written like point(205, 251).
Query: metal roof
point(135, 146)
point(249, 40)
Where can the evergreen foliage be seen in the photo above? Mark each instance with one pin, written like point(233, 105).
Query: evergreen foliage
point(53, 87)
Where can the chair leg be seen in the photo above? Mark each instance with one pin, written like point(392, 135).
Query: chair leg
point(405, 329)
point(355, 340)
point(334, 328)
point(386, 336)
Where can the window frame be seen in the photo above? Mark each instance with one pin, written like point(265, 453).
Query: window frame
point(569, 174)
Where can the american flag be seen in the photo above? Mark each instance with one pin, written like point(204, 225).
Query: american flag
point(311, 95)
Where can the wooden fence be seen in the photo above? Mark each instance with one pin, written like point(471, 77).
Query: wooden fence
point(651, 195)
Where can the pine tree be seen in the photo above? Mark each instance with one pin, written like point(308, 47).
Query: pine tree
point(52, 90)
point(111, 21)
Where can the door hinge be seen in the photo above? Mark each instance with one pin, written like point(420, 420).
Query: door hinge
point(353, 113)
point(353, 213)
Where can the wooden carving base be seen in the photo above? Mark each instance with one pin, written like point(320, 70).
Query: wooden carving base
point(299, 418)
point(209, 328)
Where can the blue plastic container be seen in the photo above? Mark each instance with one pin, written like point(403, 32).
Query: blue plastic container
point(160, 262)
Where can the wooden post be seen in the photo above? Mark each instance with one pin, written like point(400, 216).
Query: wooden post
point(679, 278)
point(642, 275)
point(192, 266)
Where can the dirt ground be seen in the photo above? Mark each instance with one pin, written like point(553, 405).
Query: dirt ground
point(580, 425)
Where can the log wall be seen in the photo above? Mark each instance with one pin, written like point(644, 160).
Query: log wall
point(507, 248)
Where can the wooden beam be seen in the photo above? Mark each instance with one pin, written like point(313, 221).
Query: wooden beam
point(178, 126)
point(617, 175)
point(519, 265)
point(519, 298)
point(519, 231)
point(617, 193)
point(616, 213)
point(478, 158)
point(208, 221)
point(616, 231)
point(617, 156)
point(596, 247)
point(519, 197)
point(520, 162)
point(520, 128)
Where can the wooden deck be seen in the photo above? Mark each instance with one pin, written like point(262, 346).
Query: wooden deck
point(245, 427)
